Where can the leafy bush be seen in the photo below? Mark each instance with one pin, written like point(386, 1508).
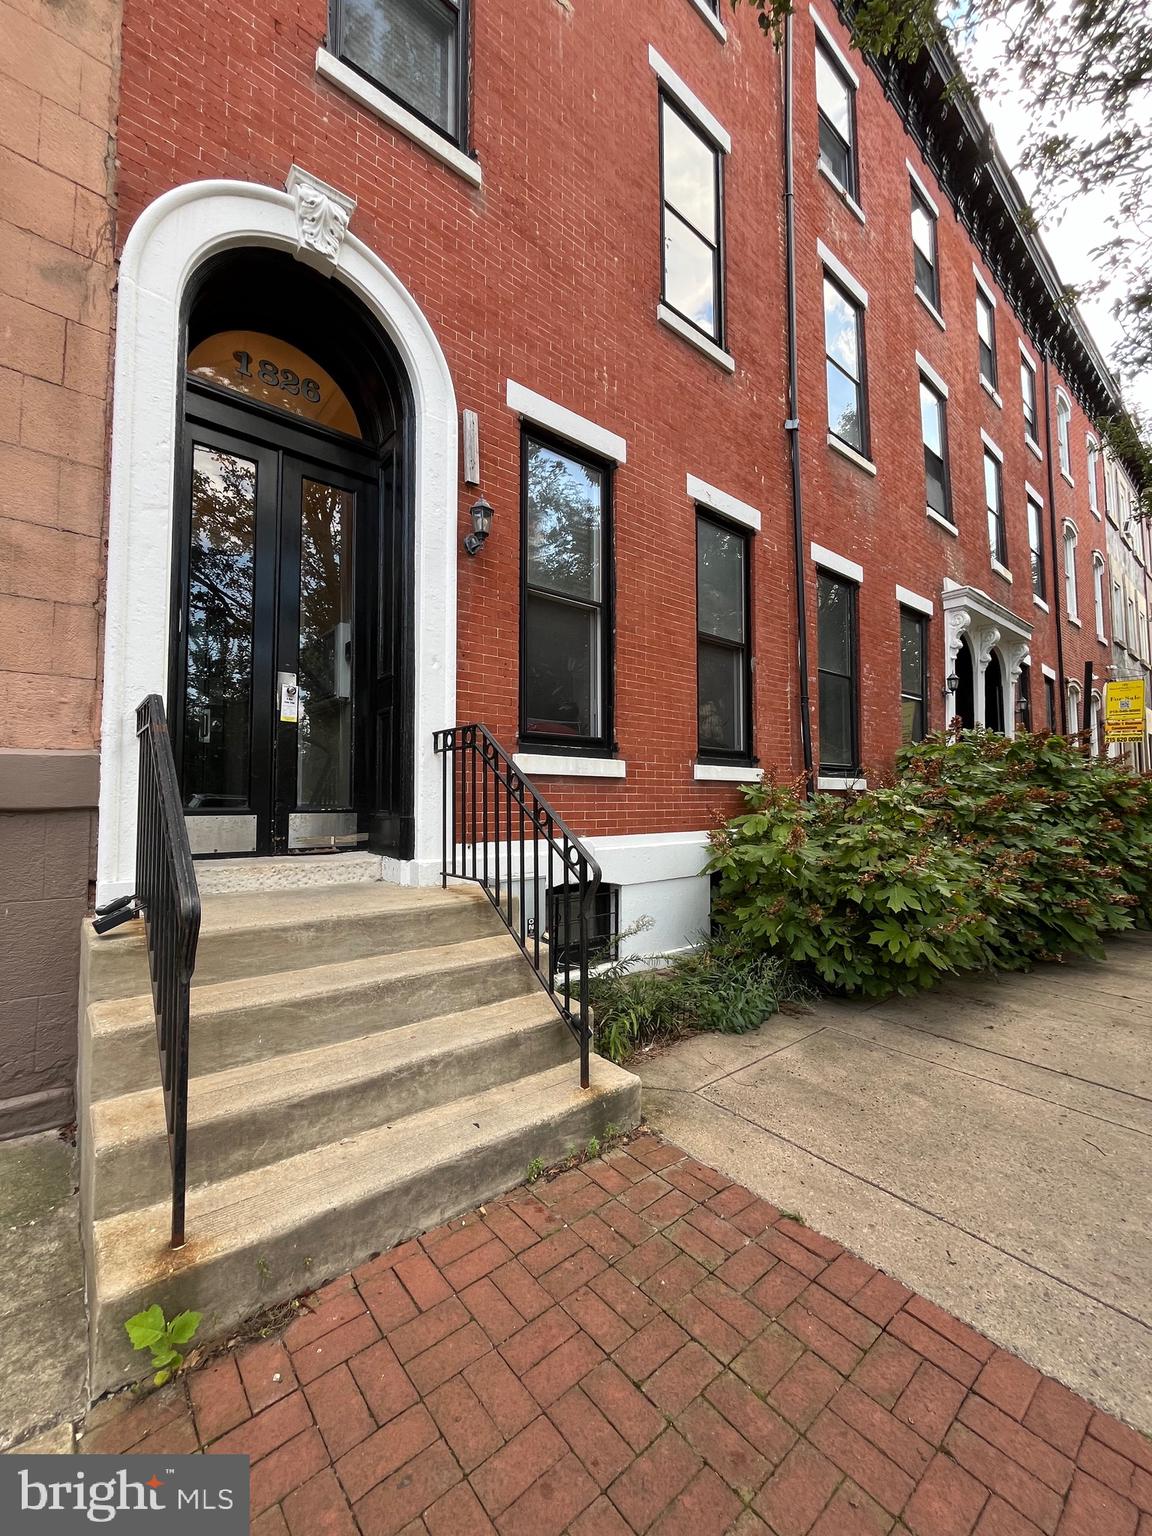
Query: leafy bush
point(725, 985)
point(986, 852)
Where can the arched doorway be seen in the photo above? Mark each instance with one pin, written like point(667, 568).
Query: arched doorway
point(964, 706)
point(994, 693)
point(290, 660)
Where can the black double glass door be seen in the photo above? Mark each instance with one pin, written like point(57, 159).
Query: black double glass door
point(275, 642)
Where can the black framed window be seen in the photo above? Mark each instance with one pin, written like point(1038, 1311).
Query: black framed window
point(416, 50)
point(564, 925)
point(839, 705)
point(565, 631)
point(1050, 701)
point(836, 112)
point(924, 249)
point(844, 350)
point(934, 430)
point(986, 334)
point(994, 501)
point(1028, 399)
point(1036, 548)
point(691, 178)
point(913, 676)
point(723, 658)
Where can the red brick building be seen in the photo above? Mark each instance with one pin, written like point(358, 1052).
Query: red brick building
point(380, 259)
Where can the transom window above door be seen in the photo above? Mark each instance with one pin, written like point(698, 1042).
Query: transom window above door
point(413, 49)
point(265, 368)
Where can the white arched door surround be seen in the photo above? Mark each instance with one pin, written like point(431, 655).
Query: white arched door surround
point(995, 637)
point(171, 239)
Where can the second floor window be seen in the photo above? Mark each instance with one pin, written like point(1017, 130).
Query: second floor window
point(1050, 702)
point(994, 500)
point(691, 174)
point(913, 677)
point(934, 427)
point(1098, 593)
point(839, 706)
point(723, 671)
point(1064, 433)
point(986, 332)
point(1028, 397)
point(1071, 601)
point(413, 49)
point(565, 688)
point(924, 249)
point(844, 349)
point(836, 109)
point(1036, 547)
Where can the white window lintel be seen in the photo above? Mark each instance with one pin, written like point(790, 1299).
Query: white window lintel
point(909, 599)
point(991, 445)
point(839, 565)
point(841, 273)
point(690, 102)
point(1032, 493)
point(565, 423)
point(983, 285)
point(828, 38)
point(918, 183)
point(720, 501)
point(931, 375)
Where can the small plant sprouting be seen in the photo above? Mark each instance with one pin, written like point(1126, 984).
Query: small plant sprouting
point(148, 1330)
point(793, 1216)
point(611, 1131)
point(535, 1169)
point(593, 1147)
point(263, 1269)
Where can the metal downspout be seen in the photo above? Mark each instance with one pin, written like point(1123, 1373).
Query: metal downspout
point(1057, 586)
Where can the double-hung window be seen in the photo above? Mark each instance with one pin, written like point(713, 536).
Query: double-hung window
point(1098, 593)
point(844, 350)
point(994, 500)
point(1064, 433)
point(934, 429)
point(723, 667)
point(1050, 701)
point(913, 676)
point(1028, 399)
point(1118, 632)
point(986, 335)
point(1093, 473)
point(692, 182)
point(839, 704)
point(1071, 601)
point(1036, 547)
point(836, 111)
point(924, 249)
point(566, 651)
point(415, 50)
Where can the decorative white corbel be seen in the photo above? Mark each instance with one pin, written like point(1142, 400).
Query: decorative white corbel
point(322, 215)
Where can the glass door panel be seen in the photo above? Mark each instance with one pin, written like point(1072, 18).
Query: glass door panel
point(324, 749)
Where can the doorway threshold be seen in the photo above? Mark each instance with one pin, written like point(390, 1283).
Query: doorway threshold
point(287, 872)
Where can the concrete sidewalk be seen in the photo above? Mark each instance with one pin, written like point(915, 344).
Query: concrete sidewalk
point(989, 1145)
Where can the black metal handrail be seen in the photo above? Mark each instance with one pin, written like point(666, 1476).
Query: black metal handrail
point(168, 899)
point(500, 832)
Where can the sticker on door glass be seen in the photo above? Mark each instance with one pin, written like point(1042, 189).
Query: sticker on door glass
point(289, 703)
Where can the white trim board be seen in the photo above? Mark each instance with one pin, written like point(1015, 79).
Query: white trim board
point(683, 328)
point(726, 773)
point(690, 102)
point(829, 39)
point(920, 186)
point(720, 501)
point(992, 446)
point(983, 284)
point(829, 560)
point(909, 599)
point(565, 423)
point(842, 274)
point(931, 375)
point(712, 19)
point(560, 765)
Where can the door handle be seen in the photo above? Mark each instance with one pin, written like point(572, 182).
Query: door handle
point(288, 693)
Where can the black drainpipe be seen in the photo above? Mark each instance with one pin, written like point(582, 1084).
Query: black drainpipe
point(1057, 584)
point(792, 425)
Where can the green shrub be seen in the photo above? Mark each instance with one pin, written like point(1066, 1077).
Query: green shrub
point(725, 985)
point(986, 852)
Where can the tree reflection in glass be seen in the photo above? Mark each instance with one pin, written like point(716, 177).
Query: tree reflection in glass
point(324, 758)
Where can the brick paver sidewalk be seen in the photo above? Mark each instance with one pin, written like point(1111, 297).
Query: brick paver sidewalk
point(641, 1345)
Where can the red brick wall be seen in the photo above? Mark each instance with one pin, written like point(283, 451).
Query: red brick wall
point(551, 274)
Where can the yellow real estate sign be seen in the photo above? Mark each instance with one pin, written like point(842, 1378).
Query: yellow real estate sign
point(1124, 710)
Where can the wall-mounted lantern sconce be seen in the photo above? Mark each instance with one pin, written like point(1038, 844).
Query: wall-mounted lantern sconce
point(481, 513)
point(951, 684)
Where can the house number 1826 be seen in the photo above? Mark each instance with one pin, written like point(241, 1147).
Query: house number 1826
point(277, 378)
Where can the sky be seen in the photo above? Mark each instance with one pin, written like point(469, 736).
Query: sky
point(1070, 237)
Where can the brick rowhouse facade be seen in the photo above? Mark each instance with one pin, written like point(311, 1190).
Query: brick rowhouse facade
point(536, 266)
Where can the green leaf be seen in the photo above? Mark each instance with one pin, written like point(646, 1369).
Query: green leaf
point(182, 1327)
point(146, 1328)
point(160, 1378)
point(166, 1355)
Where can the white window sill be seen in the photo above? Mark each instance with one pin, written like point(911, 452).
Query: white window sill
point(1103, 639)
point(837, 781)
point(683, 328)
point(842, 193)
point(932, 310)
point(851, 455)
point(381, 105)
point(1040, 603)
point(1033, 447)
point(712, 19)
point(990, 389)
point(1064, 475)
point(942, 522)
point(1095, 511)
point(1002, 570)
point(559, 765)
point(726, 773)
point(1072, 619)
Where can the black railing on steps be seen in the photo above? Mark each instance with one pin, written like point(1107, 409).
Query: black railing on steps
point(500, 832)
point(168, 899)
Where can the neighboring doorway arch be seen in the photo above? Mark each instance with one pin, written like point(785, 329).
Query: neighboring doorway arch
point(168, 245)
point(994, 693)
point(964, 708)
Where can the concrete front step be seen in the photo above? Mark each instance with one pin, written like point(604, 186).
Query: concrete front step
point(268, 1234)
point(258, 933)
point(265, 1111)
point(258, 1017)
point(215, 876)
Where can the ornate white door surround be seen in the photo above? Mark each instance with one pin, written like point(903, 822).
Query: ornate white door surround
point(170, 240)
point(996, 637)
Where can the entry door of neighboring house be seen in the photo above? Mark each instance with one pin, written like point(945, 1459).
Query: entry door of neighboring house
point(273, 663)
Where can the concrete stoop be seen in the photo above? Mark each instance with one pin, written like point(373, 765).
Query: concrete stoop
point(366, 1062)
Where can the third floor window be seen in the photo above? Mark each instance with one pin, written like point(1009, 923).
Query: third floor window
point(934, 428)
point(986, 332)
point(413, 49)
point(1028, 398)
point(844, 348)
point(691, 176)
point(924, 250)
point(836, 107)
